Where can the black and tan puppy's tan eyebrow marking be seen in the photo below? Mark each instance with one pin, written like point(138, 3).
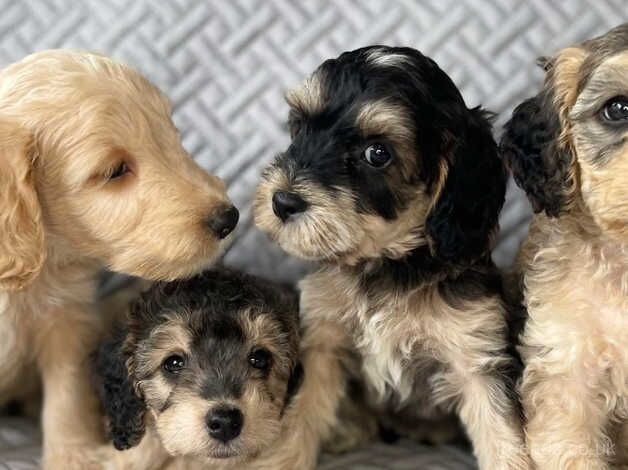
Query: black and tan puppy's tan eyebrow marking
point(402, 186)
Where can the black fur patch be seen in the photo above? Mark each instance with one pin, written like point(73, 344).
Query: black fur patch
point(123, 408)
point(530, 149)
point(464, 218)
point(294, 384)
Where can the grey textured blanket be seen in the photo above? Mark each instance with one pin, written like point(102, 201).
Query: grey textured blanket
point(225, 63)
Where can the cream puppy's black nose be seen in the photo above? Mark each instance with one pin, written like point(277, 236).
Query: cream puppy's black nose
point(223, 222)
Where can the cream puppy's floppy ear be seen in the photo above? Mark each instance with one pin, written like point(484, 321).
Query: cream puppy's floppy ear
point(22, 251)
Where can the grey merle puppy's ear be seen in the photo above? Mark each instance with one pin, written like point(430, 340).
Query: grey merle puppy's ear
point(540, 164)
point(122, 407)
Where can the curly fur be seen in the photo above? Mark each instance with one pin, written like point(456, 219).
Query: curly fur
point(573, 266)
point(463, 220)
point(121, 404)
point(531, 151)
point(22, 251)
point(214, 320)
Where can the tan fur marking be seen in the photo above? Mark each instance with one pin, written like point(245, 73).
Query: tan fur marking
point(308, 97)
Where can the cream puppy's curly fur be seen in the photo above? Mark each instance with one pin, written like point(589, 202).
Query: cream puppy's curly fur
point(92, 175)
point(568, 148)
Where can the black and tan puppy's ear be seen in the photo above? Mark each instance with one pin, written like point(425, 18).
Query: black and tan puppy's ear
point(123, 409)
point(464, 217)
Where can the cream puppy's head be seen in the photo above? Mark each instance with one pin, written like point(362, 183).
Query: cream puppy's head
point(92, 167)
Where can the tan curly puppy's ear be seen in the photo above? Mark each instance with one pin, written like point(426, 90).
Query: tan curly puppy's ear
point(22, 251)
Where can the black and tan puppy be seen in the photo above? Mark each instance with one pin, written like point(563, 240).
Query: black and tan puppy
point(395, 186)
point(568, 149)
point(209, 368)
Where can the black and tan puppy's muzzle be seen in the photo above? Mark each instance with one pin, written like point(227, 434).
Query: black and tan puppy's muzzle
point(287, 205)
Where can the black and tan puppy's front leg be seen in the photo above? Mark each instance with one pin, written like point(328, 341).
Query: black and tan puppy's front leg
point(480, 378)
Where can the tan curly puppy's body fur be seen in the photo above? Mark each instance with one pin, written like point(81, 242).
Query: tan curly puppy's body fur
point(574, 263)
point(92, 175)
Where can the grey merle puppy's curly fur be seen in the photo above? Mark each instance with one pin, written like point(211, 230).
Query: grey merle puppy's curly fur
point(208, 371)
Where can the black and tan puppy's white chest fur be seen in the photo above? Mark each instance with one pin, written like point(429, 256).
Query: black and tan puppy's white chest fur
point(395, 186)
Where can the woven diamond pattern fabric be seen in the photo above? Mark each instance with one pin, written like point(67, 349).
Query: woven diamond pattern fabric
point(226, 63)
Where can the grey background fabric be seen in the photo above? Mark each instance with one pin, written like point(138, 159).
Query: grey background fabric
point(225, 65)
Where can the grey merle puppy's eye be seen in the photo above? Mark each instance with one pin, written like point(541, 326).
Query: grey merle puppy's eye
point(616, 109)
point(174, 364)
point(260, 359)
point(377, 155)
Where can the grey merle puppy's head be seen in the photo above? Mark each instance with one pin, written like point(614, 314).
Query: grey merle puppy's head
point(385, 160)
point(213, 359)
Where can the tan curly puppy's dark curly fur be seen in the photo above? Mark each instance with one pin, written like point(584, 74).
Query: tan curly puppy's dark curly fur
point(207, 373)
point(568, 148)
point(92, 175)
point(395, 186)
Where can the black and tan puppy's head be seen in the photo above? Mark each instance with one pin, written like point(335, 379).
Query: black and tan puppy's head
point(214, 360)
point(385, 158)
point(568, 146)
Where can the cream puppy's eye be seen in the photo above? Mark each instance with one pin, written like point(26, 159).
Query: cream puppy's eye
point(616, 110)
point(119, 171)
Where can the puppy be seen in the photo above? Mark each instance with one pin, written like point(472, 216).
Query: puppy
point(92, 175)
point(395, 186)
point(568, 149)
point(210, 365)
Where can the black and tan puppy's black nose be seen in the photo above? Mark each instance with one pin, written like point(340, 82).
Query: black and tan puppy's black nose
point(224, 221)
point(287, 204)
point(225, 424)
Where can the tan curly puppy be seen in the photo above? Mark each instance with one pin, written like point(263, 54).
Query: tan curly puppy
point(92, 175)
point(568, 148)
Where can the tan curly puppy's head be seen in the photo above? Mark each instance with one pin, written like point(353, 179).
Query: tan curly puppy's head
point(92, 168)
point(568, 149)
point(568, 146)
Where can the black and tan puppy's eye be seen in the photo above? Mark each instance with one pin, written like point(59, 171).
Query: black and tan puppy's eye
point(119, 171)
point(616, 110)
point(377, 155)
point(174, 364)
point(260, 359)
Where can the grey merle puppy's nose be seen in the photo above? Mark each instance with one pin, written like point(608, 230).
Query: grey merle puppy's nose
point(287, 204)
point(225, 424)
